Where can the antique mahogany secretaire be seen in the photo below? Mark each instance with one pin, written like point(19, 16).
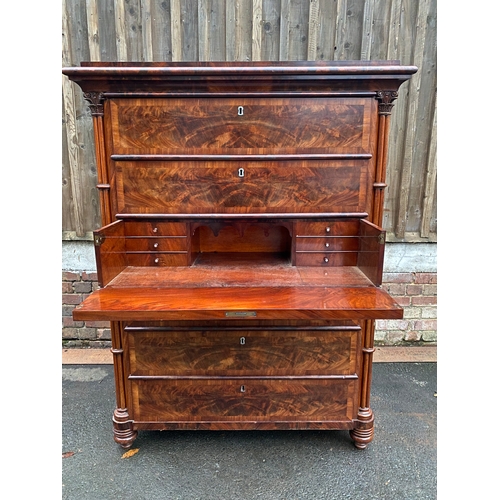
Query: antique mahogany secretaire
point(240, 258)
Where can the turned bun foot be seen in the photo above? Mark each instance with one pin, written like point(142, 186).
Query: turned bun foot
point(361, 437)
point(123, 432)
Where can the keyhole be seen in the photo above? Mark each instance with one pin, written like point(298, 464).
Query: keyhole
point(242, 388)
point(240, 110)
point(242, 340)
point(241, 172)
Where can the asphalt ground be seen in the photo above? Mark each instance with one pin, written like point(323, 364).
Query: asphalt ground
point(400, 463)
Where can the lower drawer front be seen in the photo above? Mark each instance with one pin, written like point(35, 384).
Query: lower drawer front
point(243, 399)
point(225, 352)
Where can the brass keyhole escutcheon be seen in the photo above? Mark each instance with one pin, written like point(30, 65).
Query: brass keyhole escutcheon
point(242, 340)
point(240, 110)
point(241, 172)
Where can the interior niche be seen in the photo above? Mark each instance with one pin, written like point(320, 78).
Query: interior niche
point(237, 242)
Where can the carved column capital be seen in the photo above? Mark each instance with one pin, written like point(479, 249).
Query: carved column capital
point(95, 100)
point(385, 98)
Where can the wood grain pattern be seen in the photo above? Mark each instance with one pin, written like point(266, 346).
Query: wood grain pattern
point(214, 124)
point(208, 187)
point(224, 400)
point(307, 302)
point(209, 351)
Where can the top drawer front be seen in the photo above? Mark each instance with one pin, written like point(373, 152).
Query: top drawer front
point(241, 125)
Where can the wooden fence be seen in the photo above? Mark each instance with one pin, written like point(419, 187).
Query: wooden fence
point(252, 30)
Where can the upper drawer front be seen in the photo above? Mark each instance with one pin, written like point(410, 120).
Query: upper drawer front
point(155, 229)
point(241, 186)
point(246, 352)
point(241, 125)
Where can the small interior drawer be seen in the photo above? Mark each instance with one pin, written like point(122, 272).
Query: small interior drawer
point(152, 228)
point(157, 259)
point(152, 244)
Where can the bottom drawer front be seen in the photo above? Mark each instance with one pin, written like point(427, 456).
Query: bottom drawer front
point(243, 399)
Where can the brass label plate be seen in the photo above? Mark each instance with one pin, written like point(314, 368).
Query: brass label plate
point(241, 314)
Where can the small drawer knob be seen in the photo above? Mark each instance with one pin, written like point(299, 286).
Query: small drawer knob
point(155, 230)
point(326, 259)
point(327, 245)
point(327, 229)
point(157, 260)
point(156, 245)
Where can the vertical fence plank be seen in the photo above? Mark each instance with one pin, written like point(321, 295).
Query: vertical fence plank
point(367, 34)
point(147, 35)
point(430, 181)
point(189, 31)
point(325, 38)
point(349, 30)
point(121, 41)
point(284, 30)
point(270, 31)
point(93, 30)
point(107, 31)
point(257, 22)
point(298, 19)
point(71, 132)
point(239, 30)
point(312, 35)
point(176, 29)
point(212, 33)
point(161, 31)
point(413, 86)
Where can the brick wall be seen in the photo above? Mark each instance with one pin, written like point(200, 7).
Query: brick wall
point(75, 287)
point(416, 292)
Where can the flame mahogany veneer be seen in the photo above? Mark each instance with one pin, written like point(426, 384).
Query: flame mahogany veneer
point(241, 255)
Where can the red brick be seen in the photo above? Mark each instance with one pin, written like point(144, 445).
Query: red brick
point(83, 287)
point(67, 287)
point(97, 324)
point(395, 289)
point(429, 290)
point(71, 298)
point(426, 324)
point(424, 301)
point(414, 289)
point(69, 323)
point(398, 277)
point(89, 276)
point(403, 301)
point(426, 278)
point(70, 276)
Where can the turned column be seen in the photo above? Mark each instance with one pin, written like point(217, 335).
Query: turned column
point(363, 433)
point(123, 431)
point(96, 105)
point(385, 99)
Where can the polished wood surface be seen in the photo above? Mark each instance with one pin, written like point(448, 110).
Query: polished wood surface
point(241, 254)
